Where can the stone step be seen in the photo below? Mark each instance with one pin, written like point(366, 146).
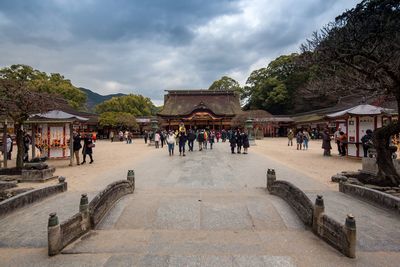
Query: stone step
point(201, 242)
point(200, 260)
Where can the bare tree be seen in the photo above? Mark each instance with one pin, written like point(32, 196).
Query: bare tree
point(18, 101)
point(360, 53)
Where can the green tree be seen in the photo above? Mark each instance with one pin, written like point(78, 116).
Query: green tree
point(119, 120)
point(225, 84)
point(273, 88)
point(19, 99)
point(360, 52)
point(136, 105)
point(54, 83)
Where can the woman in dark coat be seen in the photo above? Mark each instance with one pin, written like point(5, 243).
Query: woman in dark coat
point(87, 148)
point(239, 141)
point(232, 140)
point(246, 143)
point(326, 143)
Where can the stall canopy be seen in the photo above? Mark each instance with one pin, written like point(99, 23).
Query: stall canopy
point(361, 110)
point(52, 133)
point(55, 115)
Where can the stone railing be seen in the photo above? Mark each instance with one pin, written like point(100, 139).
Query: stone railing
point(32, 196)
point(341, 237)
point(296, 198)
point(377, 197)
point(89, 215)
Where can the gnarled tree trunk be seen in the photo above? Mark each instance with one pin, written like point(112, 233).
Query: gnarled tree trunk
point(20, 146)
point(387, 174)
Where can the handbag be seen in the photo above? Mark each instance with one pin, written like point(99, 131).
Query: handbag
point(91, 145)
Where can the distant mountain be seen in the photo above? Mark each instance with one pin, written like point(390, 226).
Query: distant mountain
point(94, 98)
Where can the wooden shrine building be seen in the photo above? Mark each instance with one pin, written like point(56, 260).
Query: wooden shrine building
point(199, 109)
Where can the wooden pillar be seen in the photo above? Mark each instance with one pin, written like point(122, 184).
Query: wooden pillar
point(33, 141)
point(71, 144)
point(5, 144)
point(357, 136)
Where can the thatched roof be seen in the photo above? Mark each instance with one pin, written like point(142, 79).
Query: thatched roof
point(185, 102)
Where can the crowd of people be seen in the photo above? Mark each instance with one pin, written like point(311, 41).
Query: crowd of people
point(205, 139)
point(340, 138)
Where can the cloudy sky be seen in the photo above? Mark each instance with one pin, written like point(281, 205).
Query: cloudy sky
point(145, 47)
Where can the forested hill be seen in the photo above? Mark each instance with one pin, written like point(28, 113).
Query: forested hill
point(94, 98)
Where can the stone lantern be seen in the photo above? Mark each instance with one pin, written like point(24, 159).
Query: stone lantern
point(154, 128)
point(250, 131)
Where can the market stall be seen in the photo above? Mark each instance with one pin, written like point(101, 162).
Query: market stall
point(52, 132)
point(358, 120)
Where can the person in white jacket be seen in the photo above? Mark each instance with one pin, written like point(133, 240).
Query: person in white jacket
point(157, 139)
point(171, 142)
point(9, 146)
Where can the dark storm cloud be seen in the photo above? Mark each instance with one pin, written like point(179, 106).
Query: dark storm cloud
point(161, 20)
point(148, 46)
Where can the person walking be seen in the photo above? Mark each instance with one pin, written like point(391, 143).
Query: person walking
point(232, 141)
point(9, 146)
point(306, 139)
point(162, 139)
point(211, 139)
point(218, 136)
point(27, 142)
point(182, 143)
point(146, 135)
point(130, 137)
point(171, 142)
point(157, 139)
point(121, 136)
point(246, 143)
point(290, 137)
point(326, 143)
point(336, 137)
point(205, 139)
point(343, 143)
point(366, 141)
point(191, 137)
point(76, 146)
point(87, 148)
point(200, 139)
point(299, 139)
point(223, 135)
point(239, 143)
point(112, 136)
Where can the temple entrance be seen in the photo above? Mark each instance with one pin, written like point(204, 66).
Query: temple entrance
point(199, 109)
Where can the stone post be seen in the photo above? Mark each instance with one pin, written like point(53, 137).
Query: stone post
point(350, 230)
point(61, 180)
point(53, 235)
point(131, 177)
point(319, 208)
point(271, 178)
point(84, 204)
point(84, 211)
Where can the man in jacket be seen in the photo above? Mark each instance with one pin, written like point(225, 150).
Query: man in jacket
point(200, 139)
point(191, 137)
point(182, 143)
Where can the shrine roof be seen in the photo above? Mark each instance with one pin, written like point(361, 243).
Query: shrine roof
point(184, 102)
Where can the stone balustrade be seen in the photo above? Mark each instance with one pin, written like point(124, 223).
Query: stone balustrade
point(341, 237)
point(89, 215)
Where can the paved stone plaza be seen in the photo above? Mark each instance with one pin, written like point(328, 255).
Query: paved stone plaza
point(209, 208)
